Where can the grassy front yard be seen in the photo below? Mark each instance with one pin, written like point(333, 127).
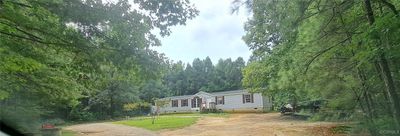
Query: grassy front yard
point(68, 133)
point(198, 114)
point(161, 122)
point(168, 121)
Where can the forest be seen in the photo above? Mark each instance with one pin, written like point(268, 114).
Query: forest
point(87, 60)
point(345, 52)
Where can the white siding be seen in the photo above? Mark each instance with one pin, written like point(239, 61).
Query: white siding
point(169, 109)
point(235, 103)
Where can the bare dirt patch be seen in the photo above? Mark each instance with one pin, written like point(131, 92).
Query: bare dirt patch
point(271, 124)
point(108, 129)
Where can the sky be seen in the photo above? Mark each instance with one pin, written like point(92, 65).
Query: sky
point(215, 32)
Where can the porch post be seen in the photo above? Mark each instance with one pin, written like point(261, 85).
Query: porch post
point(196, 103)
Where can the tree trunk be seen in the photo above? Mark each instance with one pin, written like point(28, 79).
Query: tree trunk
point(365, 94)
point(272, 103)
point(373, 106)
point(390, 88)
point(112, 102)
point(387, 104)
point(385, 72)
point(111, 111)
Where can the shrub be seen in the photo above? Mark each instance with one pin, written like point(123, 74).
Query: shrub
point(140, 108)
point(81, 115)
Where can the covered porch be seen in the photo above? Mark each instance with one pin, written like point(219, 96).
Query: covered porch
point(201, 101)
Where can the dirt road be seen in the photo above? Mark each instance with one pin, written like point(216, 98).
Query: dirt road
point(108, 129)
point(271, 124)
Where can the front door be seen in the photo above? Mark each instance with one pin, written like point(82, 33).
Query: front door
point(196, 102)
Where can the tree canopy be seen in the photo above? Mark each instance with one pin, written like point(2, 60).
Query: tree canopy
point(345, 52)
point(75, 58)
point(202, 75)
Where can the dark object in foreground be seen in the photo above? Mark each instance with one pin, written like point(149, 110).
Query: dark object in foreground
point(9, 130)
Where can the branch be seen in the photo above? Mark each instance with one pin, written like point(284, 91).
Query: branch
point(34, 38)
point(16, 27)
point(391, 7)
point(303, 12)
point(329, 21)
point(17, 3)
point(370, 12)
point(26, 38)
point(322, 52)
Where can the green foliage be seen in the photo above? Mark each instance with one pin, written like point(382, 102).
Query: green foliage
point(80, 115)
point(327, 49)
point(340, 129)
point(152, 89)
point(139, 108)
point(79, 60)
point(202, 75)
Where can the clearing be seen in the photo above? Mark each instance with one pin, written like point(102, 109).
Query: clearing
point(269, 124)
point(108, 129)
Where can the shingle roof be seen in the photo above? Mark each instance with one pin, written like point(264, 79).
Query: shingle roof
point(178, 97)
point(214, 94)
point(229, 92)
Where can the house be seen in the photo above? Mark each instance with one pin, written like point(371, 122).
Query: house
point(227, 101)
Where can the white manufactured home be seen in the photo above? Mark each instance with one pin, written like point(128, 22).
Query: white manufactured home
point(227, 101)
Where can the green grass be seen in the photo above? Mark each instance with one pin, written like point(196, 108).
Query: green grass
point(161, 122)
point(68, 133)
point(198, 114)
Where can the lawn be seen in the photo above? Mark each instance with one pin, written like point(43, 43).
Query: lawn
point(161, 122)
point(198, 114)
point(68, 133)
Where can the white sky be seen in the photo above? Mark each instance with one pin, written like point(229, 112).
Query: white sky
point(215, 33)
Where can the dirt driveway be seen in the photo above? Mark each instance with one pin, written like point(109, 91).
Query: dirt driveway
point(271, 124)
point(108, 129)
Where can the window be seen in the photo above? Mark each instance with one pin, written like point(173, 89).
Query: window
point(196, 101)
point(212, 105)
point(174, 103)
point(184, 103)
point(248, 98)
point(220, 100)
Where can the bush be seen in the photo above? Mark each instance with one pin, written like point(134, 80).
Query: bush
point(80, 115)
point(384, 125)
point(140, 108)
